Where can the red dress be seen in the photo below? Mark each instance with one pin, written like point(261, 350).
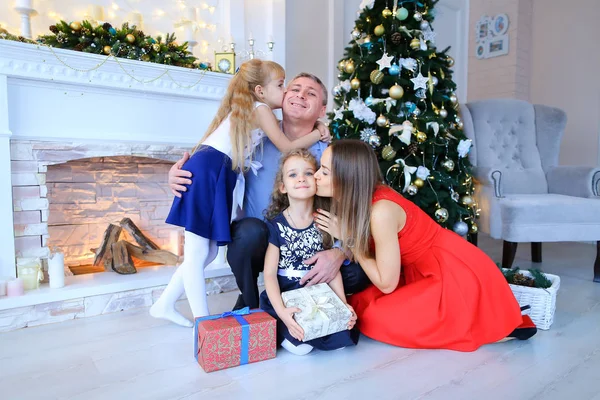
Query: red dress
point(451, 295)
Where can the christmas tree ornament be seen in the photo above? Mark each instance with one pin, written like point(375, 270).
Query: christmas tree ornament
point(460, 228)
point(396, 38)
point(366, 133)
point(106, 49)
point(382, 120)
point(369, 100)
point(356, 34)
point(429, 36)
point(443, 113)
point(374, 141)
point(379, 30)
point(394, 70)
point(339, 113)
point(424, 25)
point(420, 82)
point(416, 112)
point(450, 61)
point(336, 91)
point(156, 47)
point(415, 44)
point(385, 61)
point(376, 76)
point(130, 38)
point(441, 214)
point(418, 182)
point(396, 92)
point(460, 124)
point(75, 25)
point(367, 39)
point(388, 153)
point(355, 83)
point(342, 65)
point(467, 200)
point(368, 19)
point(412, 190)
point(145, 57)
point(386, 13)
point(434, 81)
point(453, 99)
point(402, 14)
point(474, 228)
point(448, 164)
point(349, 67)
point(418, 16)
point(421, 136)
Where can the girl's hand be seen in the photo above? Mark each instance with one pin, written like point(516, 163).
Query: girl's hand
point(353, 318)
point(288, 319)
point(327, 222)
point(324, 131)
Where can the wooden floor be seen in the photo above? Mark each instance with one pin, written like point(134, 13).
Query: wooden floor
point(130, 356)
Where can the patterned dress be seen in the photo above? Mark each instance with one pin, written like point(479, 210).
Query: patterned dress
point(295, 246)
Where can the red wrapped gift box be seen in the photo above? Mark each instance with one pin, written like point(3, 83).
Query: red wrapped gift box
point(234, 338)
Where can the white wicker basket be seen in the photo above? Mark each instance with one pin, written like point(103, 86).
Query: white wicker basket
point(542, 301)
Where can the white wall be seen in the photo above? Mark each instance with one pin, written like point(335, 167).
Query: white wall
point(565, 72)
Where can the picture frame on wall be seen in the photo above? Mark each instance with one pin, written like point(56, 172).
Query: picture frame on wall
point(497, 46)
point(500, 24)
point(482, 29)
point(481, 50)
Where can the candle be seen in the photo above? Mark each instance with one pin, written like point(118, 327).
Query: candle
point(14, 287)
point(2, 287)
point(56, 270)
point(30, 274)
point(136, 19)
point(96, 12)
point(24, 4)
point(250, 37)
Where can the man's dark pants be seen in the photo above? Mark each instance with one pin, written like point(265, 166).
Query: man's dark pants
point(246, 256)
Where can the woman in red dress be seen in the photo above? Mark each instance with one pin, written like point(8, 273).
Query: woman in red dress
point(431, 288)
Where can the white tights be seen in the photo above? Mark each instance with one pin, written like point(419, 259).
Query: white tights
point(198, 252)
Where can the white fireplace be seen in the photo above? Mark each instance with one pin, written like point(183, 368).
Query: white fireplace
point(58, 112)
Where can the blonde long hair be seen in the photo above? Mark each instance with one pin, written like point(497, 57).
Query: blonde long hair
point(356, 174)
point(239, 102)
point(279, 201)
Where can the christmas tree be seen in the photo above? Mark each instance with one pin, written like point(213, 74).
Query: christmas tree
point(396, 93)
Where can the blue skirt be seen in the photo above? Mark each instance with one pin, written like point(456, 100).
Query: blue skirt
point(329, 342)
point(205, 209)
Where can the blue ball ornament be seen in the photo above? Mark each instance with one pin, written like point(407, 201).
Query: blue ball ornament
point(402, 13)
point(394, 70)
point(369, 100)
point(112, 31)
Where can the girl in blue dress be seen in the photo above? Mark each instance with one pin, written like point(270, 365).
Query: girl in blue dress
point(218, 164)
point(294, 238)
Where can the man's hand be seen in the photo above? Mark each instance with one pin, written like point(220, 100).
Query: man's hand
point(324, 131)
point(326, 265)
point(179, 177)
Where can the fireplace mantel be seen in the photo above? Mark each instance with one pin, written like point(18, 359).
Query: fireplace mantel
point(51, 95)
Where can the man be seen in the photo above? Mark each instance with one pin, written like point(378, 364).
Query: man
point(304, 103)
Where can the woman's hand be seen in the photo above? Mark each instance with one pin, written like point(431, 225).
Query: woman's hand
point(353, 318)
point(179, 178)
point(324, 131)
point(327, 222)
point(288, 319)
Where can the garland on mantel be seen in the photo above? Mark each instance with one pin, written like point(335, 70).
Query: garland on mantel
point(126, 42)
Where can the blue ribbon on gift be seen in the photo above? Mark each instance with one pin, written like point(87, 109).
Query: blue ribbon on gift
point(238, 315)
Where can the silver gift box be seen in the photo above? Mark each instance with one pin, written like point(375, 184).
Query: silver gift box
point(323, 313)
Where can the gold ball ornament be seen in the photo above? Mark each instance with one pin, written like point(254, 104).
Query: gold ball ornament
point(368, 19)
point(448, 164)
point(441, 214)
point(421, 137)
point(467, 200)
point(460, 124)
point(349, 67)
point(379, 30)
point(156, 47)
point(418, 182)
point(75, 25)
point(3, 31)
point(355, 83)
point(376, 76)
point(130, 38)
point(367, 39)
point(388, 153)
point(342, 65)
point(396, 92)
point(145, 57)
point(382, 120)
point(386, 13)
point(450, 61)
point(106, 49)
point(415, 44)
point(474, 228)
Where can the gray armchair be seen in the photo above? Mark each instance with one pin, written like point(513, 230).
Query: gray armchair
point(524, 195)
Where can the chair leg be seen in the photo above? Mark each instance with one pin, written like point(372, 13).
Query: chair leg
point(536, 252)
point(472, 238)
point(597, 263)
point(509, 250)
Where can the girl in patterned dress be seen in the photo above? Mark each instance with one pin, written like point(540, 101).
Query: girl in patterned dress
point(218, 163)
point(293, 238)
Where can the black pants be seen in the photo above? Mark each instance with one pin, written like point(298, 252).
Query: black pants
point(246, 256)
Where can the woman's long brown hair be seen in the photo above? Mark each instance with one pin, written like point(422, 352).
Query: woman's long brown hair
point(279, 201)
point(239, 101)
point(355, 175)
